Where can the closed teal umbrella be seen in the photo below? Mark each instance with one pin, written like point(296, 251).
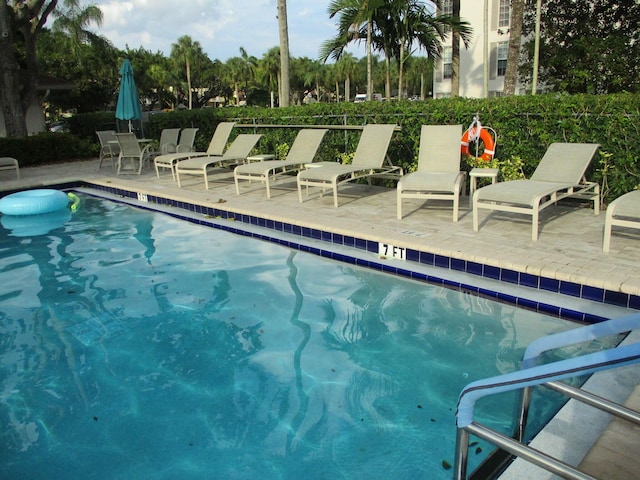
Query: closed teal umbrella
point(128, 107)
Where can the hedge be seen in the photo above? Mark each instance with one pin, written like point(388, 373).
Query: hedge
point(525, 126)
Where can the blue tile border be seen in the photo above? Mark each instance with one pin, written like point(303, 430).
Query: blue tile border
point(421, 257)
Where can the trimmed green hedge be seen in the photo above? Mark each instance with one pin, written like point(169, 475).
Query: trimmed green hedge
point(525, 125)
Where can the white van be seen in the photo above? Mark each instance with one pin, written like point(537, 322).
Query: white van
point(362, 97)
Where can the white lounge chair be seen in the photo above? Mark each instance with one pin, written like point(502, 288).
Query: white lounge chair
point(130, 150)
point(560, 174)
point(109, 147)
point(168, 142)
point(216, 147)
point(9, 163)
point(237, 153)
point(438, 175)
point(302, 151)
point(624, 211)
point(368, 161)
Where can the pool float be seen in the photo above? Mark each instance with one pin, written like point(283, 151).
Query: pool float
point(34, 202)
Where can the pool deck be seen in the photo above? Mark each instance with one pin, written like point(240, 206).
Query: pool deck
point(569, 247)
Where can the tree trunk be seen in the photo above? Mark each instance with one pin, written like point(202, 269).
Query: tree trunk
point(455, 54)
point(12, 109)
point(513, 56)
point(285, 88)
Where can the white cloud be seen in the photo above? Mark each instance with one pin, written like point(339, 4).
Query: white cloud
point(221, 26)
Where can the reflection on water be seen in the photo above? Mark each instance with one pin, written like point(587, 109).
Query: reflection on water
point(133, 345)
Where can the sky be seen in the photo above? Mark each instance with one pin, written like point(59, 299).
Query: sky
point(220, 26)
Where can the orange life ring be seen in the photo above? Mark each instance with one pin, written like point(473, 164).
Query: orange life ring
point(487, 139)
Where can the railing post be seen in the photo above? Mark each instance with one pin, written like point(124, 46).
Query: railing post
point(523, 414)
point(462, 454)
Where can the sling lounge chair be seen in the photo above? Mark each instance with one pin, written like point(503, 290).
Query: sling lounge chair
point(130, 150)
point(560, 174)
point(368, 161)
point(438, 175)
point(624, 211)
point(302, 151)
point(168, 142)
point(216, 147)
point(109, 147)
point(236, 154)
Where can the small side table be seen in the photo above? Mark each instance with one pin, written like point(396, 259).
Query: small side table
point(476, 173)
point(262, 157)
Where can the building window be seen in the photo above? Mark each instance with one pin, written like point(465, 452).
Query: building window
point(446, 7)
point(504, 14)
point(502, 53)
point(447, 62)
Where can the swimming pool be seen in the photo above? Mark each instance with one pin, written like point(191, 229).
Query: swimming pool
point(137, 345)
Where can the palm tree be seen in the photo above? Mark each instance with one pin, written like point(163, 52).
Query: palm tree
point(74, 20)
point(183, 52)
point(513, 56)
point(284, 53)
point(270, 70)
point(355, 22)
point(346, 68)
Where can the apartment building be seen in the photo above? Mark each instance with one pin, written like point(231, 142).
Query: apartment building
point(472, 60)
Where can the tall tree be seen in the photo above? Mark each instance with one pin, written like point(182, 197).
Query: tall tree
point(455, 52)
point(283, 30)
point(20, 23)
point(270, 70)
point(587, 47)
point(183, 53)
point(515, 42)
point(355, 22)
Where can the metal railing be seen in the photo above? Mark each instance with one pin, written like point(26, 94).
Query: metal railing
point(548, 375)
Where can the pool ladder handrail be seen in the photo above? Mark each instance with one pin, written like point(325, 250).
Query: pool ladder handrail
point(547, 375)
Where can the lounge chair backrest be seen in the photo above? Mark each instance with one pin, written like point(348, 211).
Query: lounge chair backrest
point(129, 146)
point(106, 136)
point(565, 163)
point(440, 148)
point(187, 137)
point(169, 140)
point(242, 145)
point(306, 145)
point(373, 144)
point(220, 137)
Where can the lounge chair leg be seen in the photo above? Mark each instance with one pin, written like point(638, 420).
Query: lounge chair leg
point(456, 199)
point(534, 225)
point(606, 243)
point(475, 212)
point(206, 179)
point(335, 196)
point(399, 203)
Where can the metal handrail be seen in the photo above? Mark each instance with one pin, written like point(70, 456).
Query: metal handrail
point(547, 375)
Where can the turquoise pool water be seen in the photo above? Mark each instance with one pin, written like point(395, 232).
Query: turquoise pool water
point(135, 345)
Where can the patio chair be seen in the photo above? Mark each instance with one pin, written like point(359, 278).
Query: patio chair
point(236, 154)
point(302, 151)
point(130, 150)
point(216, 147)
point(624, 211)
point(368, 161)
point(438, 175)
point(168, 142)
point(109, 147)
point(560, 174)
point(9, 163)
point(187, 137)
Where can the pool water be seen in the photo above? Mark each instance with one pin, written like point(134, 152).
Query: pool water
point(136, 345)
